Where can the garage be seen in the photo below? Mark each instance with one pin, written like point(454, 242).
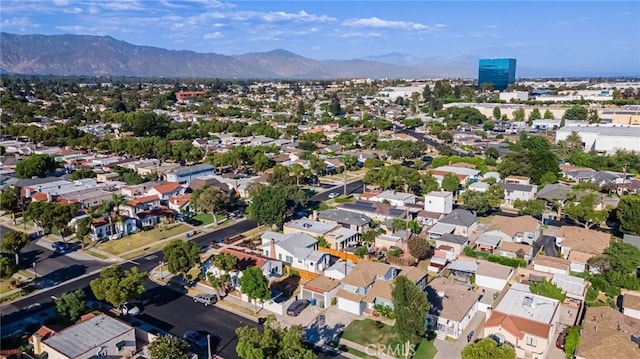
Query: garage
point(320, 289)
point(350, 302)
point(310, 295)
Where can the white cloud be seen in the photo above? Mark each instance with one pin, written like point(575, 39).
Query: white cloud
point(123, 5)
point(213, 35)
point(362, 35)
point(385, 24)
point(20, 22)
point(93, 10)
point(72, 10)
point(61, 2)
point(301, 16)
point(440, 26)
point(76, 29)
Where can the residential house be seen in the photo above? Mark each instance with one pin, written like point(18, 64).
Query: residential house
point(466, 175)
point(631, 304)
point(553, 265)
point(184, 175)
point(138, 190)
point(526, 321)
point(493, 275)
point(487, 243)
point(397, 199)
point(107, 177)
point(454, 242)
point(453, 306)
point(380, 292)
point(138, 205)
point(574, 287)
point(166, 190)
point(463, 221)
point(337, 237)
point(554, 192)
point(322, 289)
point(339, 269)
point(579, 244)
point(514, 191)
point(375, 210)
point(515, 250)
point(384, 242)
point(155, 216)
point(299, 250)
point(441, 257)
point(351, 220)
point(630, 187)
point(180, 204)
point(118, 227)
point(99, 336)
point(271, 268)
point(517, 180)
point(522, 229)
point(210, 181)
point(438, 202)
point(607, 333)
point(356, 285)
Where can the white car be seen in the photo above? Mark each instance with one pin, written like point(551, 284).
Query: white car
point(130, 309)
point(333, 195)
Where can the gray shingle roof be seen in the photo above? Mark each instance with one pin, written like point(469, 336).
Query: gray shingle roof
point(344, 217)
point(459, 217)
point(517, 187)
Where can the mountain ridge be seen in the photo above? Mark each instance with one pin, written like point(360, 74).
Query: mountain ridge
point(90, 55)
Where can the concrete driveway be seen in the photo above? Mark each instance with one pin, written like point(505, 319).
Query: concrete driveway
point(328, 325)
point(450, 348)
point(304, 319)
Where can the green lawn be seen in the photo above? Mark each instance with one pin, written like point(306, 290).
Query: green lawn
point(142, 239)
point(426, 349)
point(207, 219)
point(5, 285)
point(367, 331)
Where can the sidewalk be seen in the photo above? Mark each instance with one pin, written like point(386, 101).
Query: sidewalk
point(371, 350)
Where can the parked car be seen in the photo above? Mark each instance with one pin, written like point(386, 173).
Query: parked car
point(129, 309)
point(561, 339)
point(297, 307)
point(333, 195)
point(206, 299)
point(470, 335)
point(197, 338)
point(60, 247)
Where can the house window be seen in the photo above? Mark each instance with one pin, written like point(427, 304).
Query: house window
point(120, 345)
point(289, 259)
point(299, 260)
point(532, 342)
point(266, 253)
point(280, 256)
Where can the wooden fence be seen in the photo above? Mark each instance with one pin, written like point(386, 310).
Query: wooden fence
point(304, 275)
point(341, 254)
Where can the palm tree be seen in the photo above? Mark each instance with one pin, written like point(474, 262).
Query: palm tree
point(118, 200)
point(574, 141)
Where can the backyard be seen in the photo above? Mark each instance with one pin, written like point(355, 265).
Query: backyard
point(142, 239)
point(369, 331)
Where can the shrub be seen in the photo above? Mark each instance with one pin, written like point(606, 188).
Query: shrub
point(571, 341)
point(361, 252)
point(384, 311)
point(511, 262)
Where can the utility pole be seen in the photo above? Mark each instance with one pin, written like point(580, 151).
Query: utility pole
point(345, 179)
point(208, 346)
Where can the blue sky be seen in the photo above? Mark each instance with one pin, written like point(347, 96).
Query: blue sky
point(563, 37)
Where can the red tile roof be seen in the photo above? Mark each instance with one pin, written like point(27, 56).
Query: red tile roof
point(246, 259)
point(136, 201)
point(23, 191)
point(180, 201)
point(39, 197)
point(167, 187)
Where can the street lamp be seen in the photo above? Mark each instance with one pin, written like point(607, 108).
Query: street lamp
point(208, 346)
point(34, 269)
point(161, 274)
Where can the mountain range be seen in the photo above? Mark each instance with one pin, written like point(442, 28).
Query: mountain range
point(86, 55)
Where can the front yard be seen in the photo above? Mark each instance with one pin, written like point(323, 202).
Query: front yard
point(369, 332)
point(206, 219)
point(142, 239)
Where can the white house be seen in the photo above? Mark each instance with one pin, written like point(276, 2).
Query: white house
point(523, 192)
point(397, 199)
point(493, 275)
point(166, 190)
point(299, 250)
point(339, 269)
point(118, 227)
point(438, 202)
point(271, 268)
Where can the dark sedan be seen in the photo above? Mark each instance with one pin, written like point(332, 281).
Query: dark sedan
point(297, 307)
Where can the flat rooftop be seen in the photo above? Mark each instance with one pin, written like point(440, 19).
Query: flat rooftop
point(528, 305)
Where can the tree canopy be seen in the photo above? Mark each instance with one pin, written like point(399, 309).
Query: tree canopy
point(181, 256)
point(37, 165)
point(13, 242)
point(269, 206)
point(547, 289)
point(168, 347)
point(584, 213)
point(255, 285)
point(71, 305)
point(410, 307)
point(274, 342)
point(487, 348)
point(116, 286)
point(629, 214)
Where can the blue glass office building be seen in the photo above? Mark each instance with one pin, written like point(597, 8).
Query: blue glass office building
point(500, 72)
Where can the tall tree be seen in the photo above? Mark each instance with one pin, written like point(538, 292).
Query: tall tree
point(410, 307)
point(181, 256)
point(494, 195)
point(497, 113)
point(574, 142)
point(274, 342)
point(116, 286)
point(487, 348)
point(548, 115)
point(533, 207)
point(212, 200)
point(168, 347)
point(71, 305)
point(13, 242)
point(418, 247)
point(225, 261)
point(583, 211)
point(8, 267)
point(428, 183)
point(629, 214)
point(576, 113)
point(10, 200)
point(37, 165)
point(475, 201)
point(255, 285)
point(269, 206)
point(450, 182)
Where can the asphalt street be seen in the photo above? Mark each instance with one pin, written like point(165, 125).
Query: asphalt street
point(352, 187)
point(54, 267)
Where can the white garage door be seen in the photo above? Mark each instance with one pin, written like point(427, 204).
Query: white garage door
point(349, 306)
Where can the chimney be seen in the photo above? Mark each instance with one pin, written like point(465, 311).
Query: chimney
point(37, 344)
point(273, 249)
